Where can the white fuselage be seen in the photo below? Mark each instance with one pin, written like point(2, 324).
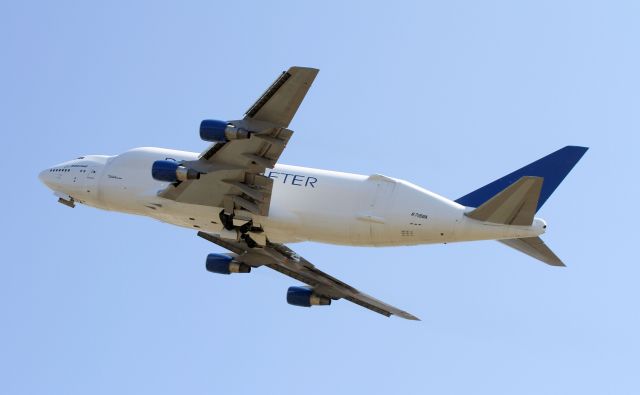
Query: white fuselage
point(306, 204)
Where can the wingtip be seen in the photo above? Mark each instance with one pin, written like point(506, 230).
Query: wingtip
point(408, 316)
point(302, 68)
point(552, 261)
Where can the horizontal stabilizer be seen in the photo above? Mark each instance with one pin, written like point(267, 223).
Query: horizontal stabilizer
point(515, 205)
point(534, 247)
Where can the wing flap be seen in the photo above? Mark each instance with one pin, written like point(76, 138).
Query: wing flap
point(234, 173)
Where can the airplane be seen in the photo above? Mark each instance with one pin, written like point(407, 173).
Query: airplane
point(238, 197)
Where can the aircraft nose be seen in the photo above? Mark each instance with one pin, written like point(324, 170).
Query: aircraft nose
point(43, 176)
point(47, 178)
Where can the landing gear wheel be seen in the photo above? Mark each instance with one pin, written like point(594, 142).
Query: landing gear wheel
point(227, 220)
point(250, 242)
point(246, 227)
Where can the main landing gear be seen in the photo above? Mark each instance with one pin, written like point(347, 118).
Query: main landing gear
point(243, 230)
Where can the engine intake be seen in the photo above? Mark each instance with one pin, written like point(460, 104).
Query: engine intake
point(220, 131)
point(224, 264)
point(305, 297)
point(170, 171)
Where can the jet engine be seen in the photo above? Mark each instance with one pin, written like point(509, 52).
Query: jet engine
point(305, 297)
point(224, 264)
point(220, 131)
point(170, 171)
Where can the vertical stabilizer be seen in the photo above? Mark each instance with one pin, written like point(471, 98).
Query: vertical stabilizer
point(553, 168)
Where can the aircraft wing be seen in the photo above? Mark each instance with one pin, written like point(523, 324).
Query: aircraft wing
point(231, 171)
point(284, 260)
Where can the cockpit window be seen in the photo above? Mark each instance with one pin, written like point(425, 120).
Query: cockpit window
point(80, 157)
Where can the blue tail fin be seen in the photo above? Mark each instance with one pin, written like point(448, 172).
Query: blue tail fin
point(553, 168)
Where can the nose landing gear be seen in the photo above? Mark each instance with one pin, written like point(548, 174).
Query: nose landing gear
point(69, 203)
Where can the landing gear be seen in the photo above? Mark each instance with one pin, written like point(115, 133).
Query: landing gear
point(227, 220)
point(243, 230)
point(247, 239)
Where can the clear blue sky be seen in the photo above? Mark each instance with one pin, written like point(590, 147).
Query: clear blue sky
point(449, 95)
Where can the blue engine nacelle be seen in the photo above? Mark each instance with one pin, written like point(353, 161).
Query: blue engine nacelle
point(224, 264)
point(170, 171)
point(220, 131)
point(305, 297)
